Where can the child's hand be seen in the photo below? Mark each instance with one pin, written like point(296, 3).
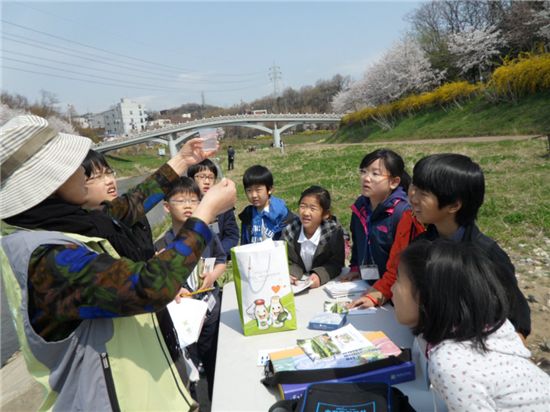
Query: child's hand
point(349, 277)
point(315, 280)
point(220, 198)
point(181, 294)
point(190, 154)
point(208, 280)
point(365, 301)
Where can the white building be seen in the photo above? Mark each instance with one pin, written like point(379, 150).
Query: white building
point(156, 124)
point(95, 120)
point(125, 118)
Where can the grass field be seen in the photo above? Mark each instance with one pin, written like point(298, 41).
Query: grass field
point(517, 202)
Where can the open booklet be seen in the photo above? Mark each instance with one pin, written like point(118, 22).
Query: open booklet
point(345, 342)
point(344, 347)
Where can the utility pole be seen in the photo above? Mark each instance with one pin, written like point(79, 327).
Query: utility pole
point(275, 75)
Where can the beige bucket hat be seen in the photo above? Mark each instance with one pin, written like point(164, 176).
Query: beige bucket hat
point(35, 161)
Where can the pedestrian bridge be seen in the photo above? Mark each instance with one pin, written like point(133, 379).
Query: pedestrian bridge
point(177, 133)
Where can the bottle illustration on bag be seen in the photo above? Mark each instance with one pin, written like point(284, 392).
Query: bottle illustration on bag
point(277, 312)
point(259, 311)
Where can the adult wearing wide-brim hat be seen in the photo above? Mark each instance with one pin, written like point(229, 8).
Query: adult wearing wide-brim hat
point(84, 317)
point(35, 161)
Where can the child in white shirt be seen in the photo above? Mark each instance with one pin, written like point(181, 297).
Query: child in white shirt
point(315, 239)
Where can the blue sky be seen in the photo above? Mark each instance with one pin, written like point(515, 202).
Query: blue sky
point(163, 54)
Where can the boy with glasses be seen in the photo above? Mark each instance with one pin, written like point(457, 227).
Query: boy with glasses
point(205, 175)
point(181, 201)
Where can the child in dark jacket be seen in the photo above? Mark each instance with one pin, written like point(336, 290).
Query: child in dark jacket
point(181, 201)
point(267, 215)
point(446, 193)
point(376, 215)
point(205, 175)
point(315, 239)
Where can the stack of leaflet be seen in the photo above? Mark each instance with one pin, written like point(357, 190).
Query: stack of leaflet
point(337, 289)
point(342, 355)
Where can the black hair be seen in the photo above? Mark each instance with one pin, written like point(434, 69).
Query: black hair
point(452, 177)
point(258, 175)
point(392, 162)
point(205, 165)
point(322, 195)
point(459, 292)
point(94, 161)
point(184, 185)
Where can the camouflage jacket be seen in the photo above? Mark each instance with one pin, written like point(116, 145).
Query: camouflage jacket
point(70, 283)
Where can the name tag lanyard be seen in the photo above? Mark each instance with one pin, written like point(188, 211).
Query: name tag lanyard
point(369, 272)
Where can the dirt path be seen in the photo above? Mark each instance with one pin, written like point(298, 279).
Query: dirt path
point(465, 139)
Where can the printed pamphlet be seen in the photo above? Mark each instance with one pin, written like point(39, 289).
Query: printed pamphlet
point(379, 347)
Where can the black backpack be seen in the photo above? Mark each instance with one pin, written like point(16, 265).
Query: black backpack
point(347, 397)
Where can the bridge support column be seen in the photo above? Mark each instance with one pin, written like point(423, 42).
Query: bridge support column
point(172, 144)
point(276, 136)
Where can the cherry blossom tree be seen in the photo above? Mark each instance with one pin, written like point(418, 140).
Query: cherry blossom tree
point(542, 20)
point(475, 49)
point(404, 69)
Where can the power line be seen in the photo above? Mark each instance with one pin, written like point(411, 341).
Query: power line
point(86, 74)
point(101, 59)
point(82, 66)
point(173, 68)
point(80, 23)
point(126, 75)
point(75, 53)
point(18, 69)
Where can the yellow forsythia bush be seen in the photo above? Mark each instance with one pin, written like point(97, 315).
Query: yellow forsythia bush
point(527, 74)
point(444, 95)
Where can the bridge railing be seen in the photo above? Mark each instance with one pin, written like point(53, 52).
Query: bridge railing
point(208, 120)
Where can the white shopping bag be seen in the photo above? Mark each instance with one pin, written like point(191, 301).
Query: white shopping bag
point(262, 283)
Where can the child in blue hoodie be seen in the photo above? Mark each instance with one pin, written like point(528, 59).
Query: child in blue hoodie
point(374, 220)
point(267, 215)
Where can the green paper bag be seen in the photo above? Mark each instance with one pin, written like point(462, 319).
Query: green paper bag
point(262, 283)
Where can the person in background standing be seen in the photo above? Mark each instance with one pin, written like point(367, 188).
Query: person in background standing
point(230, 158)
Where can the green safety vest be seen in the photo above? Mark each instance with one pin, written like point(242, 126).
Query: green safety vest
point(104, 364)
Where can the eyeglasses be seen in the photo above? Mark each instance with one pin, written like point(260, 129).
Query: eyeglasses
point(184, 201)
point(107, 174)
point(376, 175)
point(206, 177)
